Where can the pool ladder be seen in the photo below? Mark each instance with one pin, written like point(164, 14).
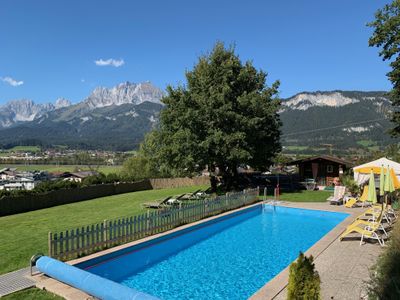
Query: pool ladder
point(267, 201)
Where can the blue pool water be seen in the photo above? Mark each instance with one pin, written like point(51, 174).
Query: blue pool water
point(228, 259)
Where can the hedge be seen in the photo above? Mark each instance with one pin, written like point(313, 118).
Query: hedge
point(14, 204)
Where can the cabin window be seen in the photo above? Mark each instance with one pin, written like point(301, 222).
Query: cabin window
point(329, 169)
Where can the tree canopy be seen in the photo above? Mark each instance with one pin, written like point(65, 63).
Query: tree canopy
point(223, 117)
point(386, 36)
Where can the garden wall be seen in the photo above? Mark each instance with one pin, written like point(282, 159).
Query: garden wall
point(23, 203)
point(163, 183)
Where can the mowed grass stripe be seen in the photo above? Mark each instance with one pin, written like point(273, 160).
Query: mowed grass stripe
point(61, 168)
point(25, 234)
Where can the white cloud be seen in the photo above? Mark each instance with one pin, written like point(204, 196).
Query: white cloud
point(83, 80)
point(12, 81)
point(110, 62)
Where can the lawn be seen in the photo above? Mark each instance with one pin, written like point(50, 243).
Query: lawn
point(32, 294)
point(24, 149)
point(62, 168)
point(23, 235)
point(296, 148)
point(306, 196)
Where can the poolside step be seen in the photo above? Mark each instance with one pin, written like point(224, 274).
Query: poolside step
point(15, 281)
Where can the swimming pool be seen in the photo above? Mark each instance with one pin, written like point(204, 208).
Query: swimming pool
point(226, 258)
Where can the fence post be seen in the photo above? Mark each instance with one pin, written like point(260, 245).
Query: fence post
point(50, 244)
point(104, 233)
point(148, 222)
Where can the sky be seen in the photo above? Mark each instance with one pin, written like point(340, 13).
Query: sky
point(51, 49)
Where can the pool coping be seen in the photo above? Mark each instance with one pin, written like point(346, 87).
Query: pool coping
point(277, 284)
point(269, 291)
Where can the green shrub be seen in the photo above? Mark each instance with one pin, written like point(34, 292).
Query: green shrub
point(350, 184)
point(385, 275)
point(304, 281)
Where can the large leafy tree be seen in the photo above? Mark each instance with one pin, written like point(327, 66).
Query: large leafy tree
point(223, 117)
point(386, 36)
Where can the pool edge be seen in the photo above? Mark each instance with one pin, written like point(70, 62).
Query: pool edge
point(277, 284)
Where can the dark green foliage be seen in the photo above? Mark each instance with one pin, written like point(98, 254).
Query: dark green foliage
point(385, 276)
point(147, 162)
point(304, 281)
point(224, 116)
point(350, 184)
point(386, 36)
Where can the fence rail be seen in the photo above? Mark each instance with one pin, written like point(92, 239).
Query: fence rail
point(85, 240)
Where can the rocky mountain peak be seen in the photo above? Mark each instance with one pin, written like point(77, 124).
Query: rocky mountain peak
point(62, 102)
point(123, 93)
point(306, 100)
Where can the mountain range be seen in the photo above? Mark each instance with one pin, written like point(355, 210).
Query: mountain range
point(109, 118)
point(341, 120)
point(117, 118)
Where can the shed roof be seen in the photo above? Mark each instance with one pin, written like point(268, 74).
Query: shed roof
point(322, 157)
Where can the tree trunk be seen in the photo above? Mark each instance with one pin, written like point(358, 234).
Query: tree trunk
point(213, 183)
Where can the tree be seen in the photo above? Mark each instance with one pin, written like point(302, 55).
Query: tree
point(147, 163)
point(386, 36)
point(224, 116)
point(304, 281)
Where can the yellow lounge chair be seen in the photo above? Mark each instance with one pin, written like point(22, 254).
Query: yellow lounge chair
point(359, 222)
point(374, 211)
point(364, 196)
point(351, 202)
point(368, 231)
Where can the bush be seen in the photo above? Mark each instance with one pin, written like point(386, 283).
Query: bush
point(350, 184)
point(385, 275)
point(304, 281)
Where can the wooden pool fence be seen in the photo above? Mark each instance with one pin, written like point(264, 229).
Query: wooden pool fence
point(85, 240)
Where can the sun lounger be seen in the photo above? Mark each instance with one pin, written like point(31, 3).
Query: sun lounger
point(367, 229)
point(351, 202)
point(158, 203)
point(375, 211)
point(338, 195)
point(364, 196)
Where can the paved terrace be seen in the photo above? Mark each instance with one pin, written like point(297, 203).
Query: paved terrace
point(343, 266)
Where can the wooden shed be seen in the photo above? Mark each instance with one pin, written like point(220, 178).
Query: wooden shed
point(323, 168)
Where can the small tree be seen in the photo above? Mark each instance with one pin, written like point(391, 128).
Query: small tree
point(304, 281)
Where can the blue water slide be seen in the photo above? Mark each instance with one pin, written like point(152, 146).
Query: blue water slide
point(92, 284)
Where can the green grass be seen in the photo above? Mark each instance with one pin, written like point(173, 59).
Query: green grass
point(32, 294)
point(374, 148)
point(23, 235)
point(62, 168)
point(296, 148)
point(24, 149)
point(366, 143)
point(306, 196)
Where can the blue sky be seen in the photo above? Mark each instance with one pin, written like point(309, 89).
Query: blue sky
point(49, 49)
